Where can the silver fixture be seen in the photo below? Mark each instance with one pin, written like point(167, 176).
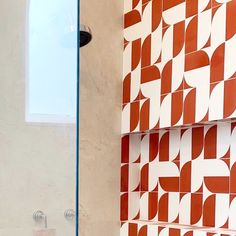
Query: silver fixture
point(85, 35)
point(40, 217)
point(69, 214)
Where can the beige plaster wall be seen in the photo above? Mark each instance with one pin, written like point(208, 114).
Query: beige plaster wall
point(37, 162)
point(101, 76)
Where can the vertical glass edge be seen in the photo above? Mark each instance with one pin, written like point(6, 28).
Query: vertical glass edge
point(77, 121)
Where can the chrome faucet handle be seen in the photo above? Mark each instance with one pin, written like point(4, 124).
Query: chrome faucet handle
point(40, 217)
point(69, 214)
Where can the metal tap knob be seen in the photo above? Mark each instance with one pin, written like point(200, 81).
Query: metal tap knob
point(69, 214)
point(40, 217)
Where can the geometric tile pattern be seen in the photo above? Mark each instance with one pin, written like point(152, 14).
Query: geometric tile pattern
point(179, 63)
point(181, 176)
point(145, 229)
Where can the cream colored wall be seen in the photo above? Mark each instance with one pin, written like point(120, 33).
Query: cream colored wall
point(101, 68)
point(36, 161)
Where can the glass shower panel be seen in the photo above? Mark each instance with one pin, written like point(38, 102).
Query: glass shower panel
point(38, 78)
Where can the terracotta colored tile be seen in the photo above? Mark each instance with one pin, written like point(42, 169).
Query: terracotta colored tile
point(196, 208)
point(177, 108)
point(143, 231)
point(166, 78)
point(156, 13)
point(217, 184)
point(132, 18)
point(124, 178)
point(144, 177)
point(164, 147)
point(169, 4)
point(229, 97)
point(189, 107)
point(125, 149)
point(216, 3)
point(127, 88)
point(135, 3)
point(136, 53)
point(217, 64)
point(174, 232)
point(153, 146)
point(134, 115)
point(209, 211)
point(191, 7)
point(145, 1)
point(189, 233)
point(185, 178)
point(191, 35)
point(179, 105)
point(179, 37)
point(133, 229)
point(233, 179)
point(152, 205)
point(196, 60)
point(146, 52)
point(163, 208)
point(144, 115)
point(210, 143)
point(169, 184)
point(197, 142)
point(230, 19)
point(149, 74)
point(124, 207)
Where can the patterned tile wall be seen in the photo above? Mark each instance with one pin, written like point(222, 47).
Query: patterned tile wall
point(179, 63)
point(179, 71)
point(142, 229)
point(184, 176)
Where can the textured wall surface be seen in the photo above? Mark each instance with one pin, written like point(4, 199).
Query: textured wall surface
point(178, 77)
point(101, 88)
point(37, 162)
